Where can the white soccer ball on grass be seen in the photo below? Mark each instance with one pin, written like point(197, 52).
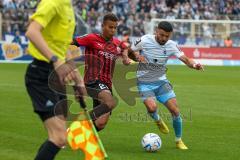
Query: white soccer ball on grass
point(151, 142)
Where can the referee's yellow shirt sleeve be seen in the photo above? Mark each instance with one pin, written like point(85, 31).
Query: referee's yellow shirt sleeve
point(46, 10)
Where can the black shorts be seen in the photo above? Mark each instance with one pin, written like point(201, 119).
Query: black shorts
point(46, 101)
point(94, 88)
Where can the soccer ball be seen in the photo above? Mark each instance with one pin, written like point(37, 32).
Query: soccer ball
point(151, 142)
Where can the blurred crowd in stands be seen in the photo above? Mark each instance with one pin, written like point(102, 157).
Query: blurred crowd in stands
point(134, 15)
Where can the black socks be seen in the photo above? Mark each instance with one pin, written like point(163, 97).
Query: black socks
point(47, 151)
point(99, 111)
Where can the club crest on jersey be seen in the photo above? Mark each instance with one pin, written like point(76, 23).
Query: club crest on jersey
point(164, 51)
point(99, 45)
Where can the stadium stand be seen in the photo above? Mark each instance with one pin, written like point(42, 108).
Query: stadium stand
point(134, 15)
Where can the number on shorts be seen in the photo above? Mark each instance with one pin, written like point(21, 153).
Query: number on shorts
point(102, 86)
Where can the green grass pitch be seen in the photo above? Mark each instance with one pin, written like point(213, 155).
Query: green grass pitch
point(209, 102)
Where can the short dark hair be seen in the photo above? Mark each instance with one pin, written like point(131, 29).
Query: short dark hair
point(110, 17)
point(166, 26)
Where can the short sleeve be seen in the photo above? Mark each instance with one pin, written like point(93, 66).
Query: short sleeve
point(45, 12)
point(137, 45)
point(176, 51)
point(84, 40)
point(123, 45)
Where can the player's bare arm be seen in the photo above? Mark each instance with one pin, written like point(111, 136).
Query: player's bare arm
point(35, 36)
point(64, 71)
point(79, 86)
point(135, 56)
point(125, 58)
point(191, 63)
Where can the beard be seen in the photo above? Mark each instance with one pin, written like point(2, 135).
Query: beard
point(162, 42)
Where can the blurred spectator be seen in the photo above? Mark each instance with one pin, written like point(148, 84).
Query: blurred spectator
point(122, 27)
point(17, 38)
point(181, 39)
point(214, 42)
point(9, 4)
point(228, 42)
point(198, 39)
point(126, 38)
point(33, 4)
point(1, 5)
point(147, 24)
point(135, 15)
point(83, 11)
point(207, 34)
point(92, 17)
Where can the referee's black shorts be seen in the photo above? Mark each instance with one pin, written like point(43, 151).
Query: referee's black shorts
point(46, 99)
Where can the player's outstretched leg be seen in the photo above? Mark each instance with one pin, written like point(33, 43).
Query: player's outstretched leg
point(160, 123)
point(56, 128)
point(177, 123)
point(153, 112)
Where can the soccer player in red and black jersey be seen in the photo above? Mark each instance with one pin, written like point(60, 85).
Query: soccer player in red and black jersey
point(101, 52)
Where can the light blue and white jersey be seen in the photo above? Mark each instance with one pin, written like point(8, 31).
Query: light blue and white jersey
point(156, 55)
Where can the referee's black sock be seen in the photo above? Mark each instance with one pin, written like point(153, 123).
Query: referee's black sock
point(47, 151)
point(98, 111)
point(97, 129)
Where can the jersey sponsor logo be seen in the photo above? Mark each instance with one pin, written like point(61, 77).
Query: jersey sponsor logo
point(137, 41)
point(152, 67)
point(107, 55)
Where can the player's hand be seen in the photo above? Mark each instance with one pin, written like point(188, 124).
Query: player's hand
point(79, 83)
point(64, 71)
point(79, 91)
point(198, 66)
point(141, 59)
point(79, 86)
point(126, 61)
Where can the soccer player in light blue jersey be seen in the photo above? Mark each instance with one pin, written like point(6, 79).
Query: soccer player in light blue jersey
point(152, 81)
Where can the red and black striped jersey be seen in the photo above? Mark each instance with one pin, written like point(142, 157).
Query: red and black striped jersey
point(100, 57)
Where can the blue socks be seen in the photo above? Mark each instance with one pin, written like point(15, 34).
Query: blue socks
point(177, 125)
point(155, 115)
